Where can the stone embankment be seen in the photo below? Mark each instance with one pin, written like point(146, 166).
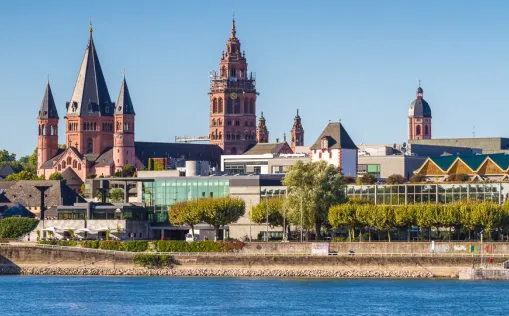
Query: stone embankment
point(200, 272)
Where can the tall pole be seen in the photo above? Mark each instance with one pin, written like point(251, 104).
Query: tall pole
point(482, 253)
point(267, 224)
point(301, 220)
point(250, 212)
point(284, 216)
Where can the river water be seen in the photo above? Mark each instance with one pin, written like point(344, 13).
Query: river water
point(55, 295)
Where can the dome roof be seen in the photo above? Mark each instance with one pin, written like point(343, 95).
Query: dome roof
point(419, 108)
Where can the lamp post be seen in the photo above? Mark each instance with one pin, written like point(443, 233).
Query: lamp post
point(267, 218)
point(42, 189)
point(284, 217)
point(301, 219)
point(482, 253)
point(250, 221)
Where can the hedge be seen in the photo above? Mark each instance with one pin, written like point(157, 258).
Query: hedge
point(154, 260)
point(201, 246)
point(65, 243)
point(15, 227)
point(133, 246)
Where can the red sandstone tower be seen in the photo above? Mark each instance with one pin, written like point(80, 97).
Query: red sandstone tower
point(90, 111)
point(123, 148)
point(233, 101)
point(47, 144)
point(297, 132)
point(419, 118)
point(262, 133)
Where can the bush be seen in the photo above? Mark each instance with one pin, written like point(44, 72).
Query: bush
point(65, 243)
point(201, 246)
point(395, 179)
point(368, 179)
point(15, 227)
point(154, 260)
point(340, 239)
point(111, 245)
point(94, 244)
point(460, 177)
point(135, 246)
point(418, 178)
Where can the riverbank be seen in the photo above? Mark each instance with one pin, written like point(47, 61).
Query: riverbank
point(204, 272)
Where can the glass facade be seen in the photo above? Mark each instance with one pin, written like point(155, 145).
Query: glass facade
point(163, 193)
point(372, 169)
point(429, 193)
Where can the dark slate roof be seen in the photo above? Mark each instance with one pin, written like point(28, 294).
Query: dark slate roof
point(269, 148)
point(90, 96)
point(203, 152)
point(48, 109)
point(25, 192)
point(6, 171)
point(49, 164)
point(419, 108)
point(337, 136)
point(105, 159)
point(124, 104)
point(71, 177)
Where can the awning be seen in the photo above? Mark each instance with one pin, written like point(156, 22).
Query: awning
point(83, 230)
point(50, 229)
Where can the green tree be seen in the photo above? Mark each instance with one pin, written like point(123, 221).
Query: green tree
point(275, 209)
point(449, 216)
point(316, 186)
point(384, 219)
point(366, 216)
point(29, 163)
point(116, 195)
point(5, 156)
point(426, 215)
point(368, 179)
point(186, 213)
point(344, 215)
point(129, 170)
point(221, 211)
point(23, 175)
point(15, 227)
point(404, 217)
point(56, 176)
point(395, 179)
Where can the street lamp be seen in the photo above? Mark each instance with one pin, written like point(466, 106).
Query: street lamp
point(301, 219)
point(267, 218)
point(482, 253)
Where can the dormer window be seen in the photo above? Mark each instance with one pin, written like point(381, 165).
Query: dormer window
point(324, 143)
point(107, 109)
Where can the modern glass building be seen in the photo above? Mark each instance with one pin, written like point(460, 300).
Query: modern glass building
point(430, 193)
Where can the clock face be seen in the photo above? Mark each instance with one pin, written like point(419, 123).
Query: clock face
point(233, 96)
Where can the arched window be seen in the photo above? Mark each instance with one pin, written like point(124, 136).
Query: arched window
point(320, 155)
point(95, 126)
point(70, 126)
point(220, 135)
point(52, 130)
point(418, 130)
point(223, 70)
point(43, 130)
point(252, 106)
point(118, 126)
point(229, 106)
point(59, 168)
point(213, 122)
point(79, 166)
point(220, 107)
point(246, 106)
point(75, 164)
point(39, 129)
point(90, 146)
point(214, 105)
point(238, 136)
point(69, 160)
point(220, 122)
point(228, 136)
point(63, 165)
point(236, 108)
point(426, 130)
point(233, 72)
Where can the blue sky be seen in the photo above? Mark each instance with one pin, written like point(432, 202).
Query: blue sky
point(358, 61)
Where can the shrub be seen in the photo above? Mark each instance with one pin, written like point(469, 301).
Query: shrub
point(340, 239)
point(201, 246)
point(94, 244)
point(368, 179)
point(65, 243)
point(418, 178)
point(154, 260)
point(135, 246)
point(395, 179)
point(111, 245)
point(15, 227)
point(349, 179)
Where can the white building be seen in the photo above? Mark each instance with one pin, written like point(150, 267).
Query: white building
point(336, 148)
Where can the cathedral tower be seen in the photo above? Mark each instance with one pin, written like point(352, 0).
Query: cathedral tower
point(233, 101)
point(89, 117)
point(262, 133)
point(297, 132)
point(419, 118)
point(123, 148)
point(47, 144)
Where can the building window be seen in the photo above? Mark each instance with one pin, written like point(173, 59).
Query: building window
point(426, 130)
point(214, 106)
point(418, 130)
point(220, 107)
point(236, 108)
point(252, 106)
point(246, 106)
point(257, 170)
point(90, 146)
point(325, 143)
point(229, 105)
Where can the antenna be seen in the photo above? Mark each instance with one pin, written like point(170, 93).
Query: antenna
point(473, 132)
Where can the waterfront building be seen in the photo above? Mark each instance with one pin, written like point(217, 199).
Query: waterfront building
point(335, 146)
point(263, 163)
point(382, 167)
point(100, 134)
point(419, 118)
point(233, 100)
point(486, 145)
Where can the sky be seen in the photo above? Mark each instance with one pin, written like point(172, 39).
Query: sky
point(355, 61)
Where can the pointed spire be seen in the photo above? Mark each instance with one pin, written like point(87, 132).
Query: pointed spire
point(297, 117)
point(124, 103)
point(234, 32)
point(48, 109)
point(261, 117)
point(90, 93)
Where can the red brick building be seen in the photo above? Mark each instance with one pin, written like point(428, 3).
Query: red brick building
point(419, 118)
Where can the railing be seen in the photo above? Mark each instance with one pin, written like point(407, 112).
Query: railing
point(265, 254)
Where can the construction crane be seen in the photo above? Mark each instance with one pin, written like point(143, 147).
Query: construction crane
point(191, 139)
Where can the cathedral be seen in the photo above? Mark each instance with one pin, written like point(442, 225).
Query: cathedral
point(100, 134)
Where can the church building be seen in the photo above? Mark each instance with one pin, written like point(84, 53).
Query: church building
point(419, 118)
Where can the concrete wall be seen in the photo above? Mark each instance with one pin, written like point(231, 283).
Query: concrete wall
point(396, 164)
point(488, 145)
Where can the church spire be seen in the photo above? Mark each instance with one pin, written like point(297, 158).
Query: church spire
point(48, 109)
point(124, 104)
point(90, 95)
point(233, 32)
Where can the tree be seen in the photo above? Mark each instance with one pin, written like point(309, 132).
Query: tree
point(343, 215)
point(395, 179)
point(276, 212)
point(23, 175)
point(56, 176)
point(116, 195)
point(418, 178)
point(316, 186)
point(29, 163)
point(449, 216)
point(221, 211)
point(5, 156)
point(368, 179)
point(384, 219)
point(404, 217)
point(426, 215)
point(129, 170)
point(186, 212)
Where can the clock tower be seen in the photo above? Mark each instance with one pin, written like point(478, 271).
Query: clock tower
point(233, 101)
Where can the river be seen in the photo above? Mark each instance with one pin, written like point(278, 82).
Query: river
point(54, 295)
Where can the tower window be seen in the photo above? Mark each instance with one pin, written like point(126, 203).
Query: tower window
point(252, 106)
point(229, 106)
point(246, 106)
point(418, 130)
point(220, 106)
point(90, 146)
point(214, 106)
point(426, 130)
point(236, 108)
point(44, 130)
